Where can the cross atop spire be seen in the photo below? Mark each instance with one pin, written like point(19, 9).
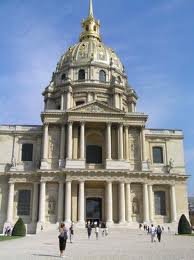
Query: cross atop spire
point(91, 13)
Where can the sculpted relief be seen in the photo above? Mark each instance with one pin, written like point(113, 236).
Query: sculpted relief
point(54, 142)
point(134, 145)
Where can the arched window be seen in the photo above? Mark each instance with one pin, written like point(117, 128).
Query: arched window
point(102, 76)
point(94, 28)
point(87, 28)
point(64, 76)
point(158, 155)
point(160, 203)
point(81, 74)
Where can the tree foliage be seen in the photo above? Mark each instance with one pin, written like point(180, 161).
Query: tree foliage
point(19, 228)
point(184, 226)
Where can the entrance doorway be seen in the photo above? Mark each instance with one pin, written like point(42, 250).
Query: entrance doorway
point(94, 209)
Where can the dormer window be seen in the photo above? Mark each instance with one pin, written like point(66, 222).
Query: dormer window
point(87, 28)
point(81, 75)
point(102, 76)
point(64, 76)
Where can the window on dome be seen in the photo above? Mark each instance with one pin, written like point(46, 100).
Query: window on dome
point(79, 103)
point(94, 28)
point(102, 76)
point(157, 155)
point(87, 28)
point(64, 77)
point(81, 75)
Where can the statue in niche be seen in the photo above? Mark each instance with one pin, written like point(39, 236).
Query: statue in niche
point(51, 206)
point(135, 206)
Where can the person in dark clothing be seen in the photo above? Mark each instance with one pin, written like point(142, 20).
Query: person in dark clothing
point(89, 229)
point(62, 239)
point(159, 232)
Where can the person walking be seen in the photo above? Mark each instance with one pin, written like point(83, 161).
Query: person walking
point(153, 233)
point(159, 233)
point(71, 232)
point(62, 239)
point(96, 232)
point(89, 230)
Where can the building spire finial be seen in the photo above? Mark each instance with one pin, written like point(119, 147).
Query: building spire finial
point(91, 13)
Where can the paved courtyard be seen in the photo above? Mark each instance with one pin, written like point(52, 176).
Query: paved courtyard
point(120, 244)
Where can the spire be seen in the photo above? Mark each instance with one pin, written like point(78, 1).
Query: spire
point(91, 13)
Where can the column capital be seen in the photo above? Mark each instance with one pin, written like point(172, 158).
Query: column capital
point(82, 122)
point(46, 123)
point(109, 123)
point(70, 122)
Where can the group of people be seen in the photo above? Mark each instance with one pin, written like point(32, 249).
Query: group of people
point(153, 231)
point(104, 228)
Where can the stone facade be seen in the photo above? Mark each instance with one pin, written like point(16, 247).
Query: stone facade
point(89, 103)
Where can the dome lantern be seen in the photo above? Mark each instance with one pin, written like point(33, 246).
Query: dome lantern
point(91, 27)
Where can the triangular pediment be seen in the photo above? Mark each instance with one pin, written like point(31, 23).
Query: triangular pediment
point(96, 107)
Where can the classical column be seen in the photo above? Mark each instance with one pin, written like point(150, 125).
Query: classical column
point(108, 204)
point(145, 203)
point(81, 204)
point(128, 202)
point(143, 145)
point(45, 142)
point(35, 203)
point(120, 146)
point(121, 202)
point(60, 202)
point(126, 142)
point(69, 140)
point(151, 206)
point(62, 147)
point(173, 203)
point(68, 99)
point(42, 201)
point(108, 140)
point(10, 203)
point(82, 141)
point(62, 101)
point(68, 201)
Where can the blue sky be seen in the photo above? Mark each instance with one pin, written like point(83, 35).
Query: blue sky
point(153, 38)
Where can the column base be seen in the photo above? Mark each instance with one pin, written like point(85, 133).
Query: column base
point(144, 166)
point(40, 227)
point(61, 163)
point(44, 164)
point(81, 223)
point(109, 223)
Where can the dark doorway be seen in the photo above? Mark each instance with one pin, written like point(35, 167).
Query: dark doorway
point(94, 209)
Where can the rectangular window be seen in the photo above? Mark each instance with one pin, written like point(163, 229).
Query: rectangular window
point(27, 152)
point(160, 203)
point(24, 203)
point(93, 154)
point(158, 155)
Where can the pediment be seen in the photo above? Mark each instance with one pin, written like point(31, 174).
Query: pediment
point(96, 107)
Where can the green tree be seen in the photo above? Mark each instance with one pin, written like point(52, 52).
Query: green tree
point(19, 228)
point(184, 226)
